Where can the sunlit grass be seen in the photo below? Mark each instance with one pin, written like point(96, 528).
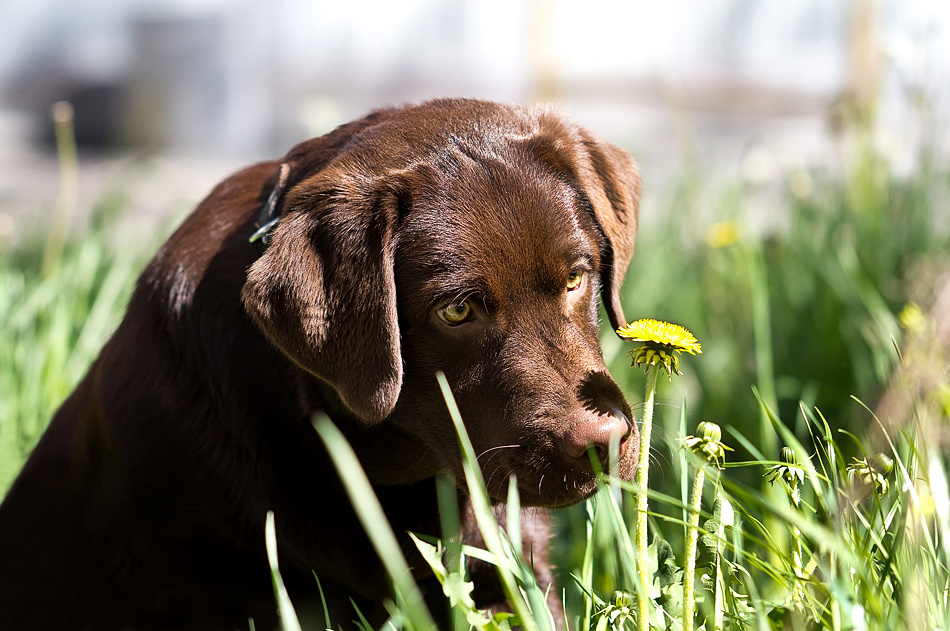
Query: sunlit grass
point(866, 544)
point(54, 323)
point(799, 327)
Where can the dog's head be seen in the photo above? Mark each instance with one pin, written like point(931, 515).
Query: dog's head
point(473, 239)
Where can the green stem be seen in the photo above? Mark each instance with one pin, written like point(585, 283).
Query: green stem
point(643, 475)
point(719, 605)
point(797, 564)
point(797, 594)
point(63, 118)
point(692, 538)
point(796, 535)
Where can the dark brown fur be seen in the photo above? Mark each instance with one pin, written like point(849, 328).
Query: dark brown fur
point(143, 505)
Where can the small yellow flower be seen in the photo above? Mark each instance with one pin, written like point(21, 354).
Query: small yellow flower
point(721, 234)
point(662, 343)
point(912, 318)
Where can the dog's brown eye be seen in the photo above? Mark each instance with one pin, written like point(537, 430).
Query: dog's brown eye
point(455, 313)
point(574, 280)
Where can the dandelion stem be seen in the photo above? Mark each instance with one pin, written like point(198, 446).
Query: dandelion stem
point(723, 516)
point(795, 495)
point(797, 547)
point(692, 538)
point(643, 474)
point(799, 591)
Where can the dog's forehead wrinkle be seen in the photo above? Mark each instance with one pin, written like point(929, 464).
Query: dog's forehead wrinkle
point(507, 250)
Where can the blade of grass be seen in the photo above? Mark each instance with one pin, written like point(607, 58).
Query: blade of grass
point(514, 514)
point(620, 533)
point(323, 603)
point(488, 525)
point(374, 521)
point(285, 609)
point(100, 316)
point(587, 566)
point(450, 521)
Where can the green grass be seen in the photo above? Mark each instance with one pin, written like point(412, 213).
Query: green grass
point(54, 323)
point(862, 546)
point(800, 335)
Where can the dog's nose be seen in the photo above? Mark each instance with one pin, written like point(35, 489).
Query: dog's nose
point(599, 432)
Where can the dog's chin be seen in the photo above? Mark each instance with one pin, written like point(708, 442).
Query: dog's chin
point(557, 486)
point(545, 480)
point(548, 492)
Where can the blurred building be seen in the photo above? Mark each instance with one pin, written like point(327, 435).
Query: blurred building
point(706, 84)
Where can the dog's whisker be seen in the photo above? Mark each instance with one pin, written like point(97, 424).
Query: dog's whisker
point(491, 476)
point(422, 458)
point(494, 448)
point(489, 459)
point(495, 451)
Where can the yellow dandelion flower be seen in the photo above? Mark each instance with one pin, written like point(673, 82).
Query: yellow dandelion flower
point(672, 336)
point(912, 318)
point(662, 343)
point(722, 234)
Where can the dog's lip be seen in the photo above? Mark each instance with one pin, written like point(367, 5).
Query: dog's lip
point(563, 496)
point(545, 476)
point(556, 483)
point(550, 488)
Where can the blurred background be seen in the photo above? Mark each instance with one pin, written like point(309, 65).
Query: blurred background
point(202, 87)
point(793, 154)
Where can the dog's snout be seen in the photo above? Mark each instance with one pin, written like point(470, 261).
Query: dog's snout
point(599, 432)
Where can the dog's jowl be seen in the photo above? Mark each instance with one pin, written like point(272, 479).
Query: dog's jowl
point(459, 236)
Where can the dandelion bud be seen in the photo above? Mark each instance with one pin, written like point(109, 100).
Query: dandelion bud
point(622, 599)
point(883, 464)
point(788, 456)
point(789, 470)
point(711, 431)
point(872, 472)
point(707, 443)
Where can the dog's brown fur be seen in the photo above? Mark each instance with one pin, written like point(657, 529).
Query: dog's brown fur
point(143, 505)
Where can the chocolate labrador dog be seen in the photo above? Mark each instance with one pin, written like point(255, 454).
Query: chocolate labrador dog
point(458, 236)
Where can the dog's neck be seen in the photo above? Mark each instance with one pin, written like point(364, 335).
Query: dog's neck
point(388, 453)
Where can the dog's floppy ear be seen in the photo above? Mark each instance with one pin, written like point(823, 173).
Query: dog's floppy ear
point(612, 184)
point(323, 291)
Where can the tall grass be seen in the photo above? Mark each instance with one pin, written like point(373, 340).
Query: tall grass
point(867, 545)
point(800, 335)
point(56, 316)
